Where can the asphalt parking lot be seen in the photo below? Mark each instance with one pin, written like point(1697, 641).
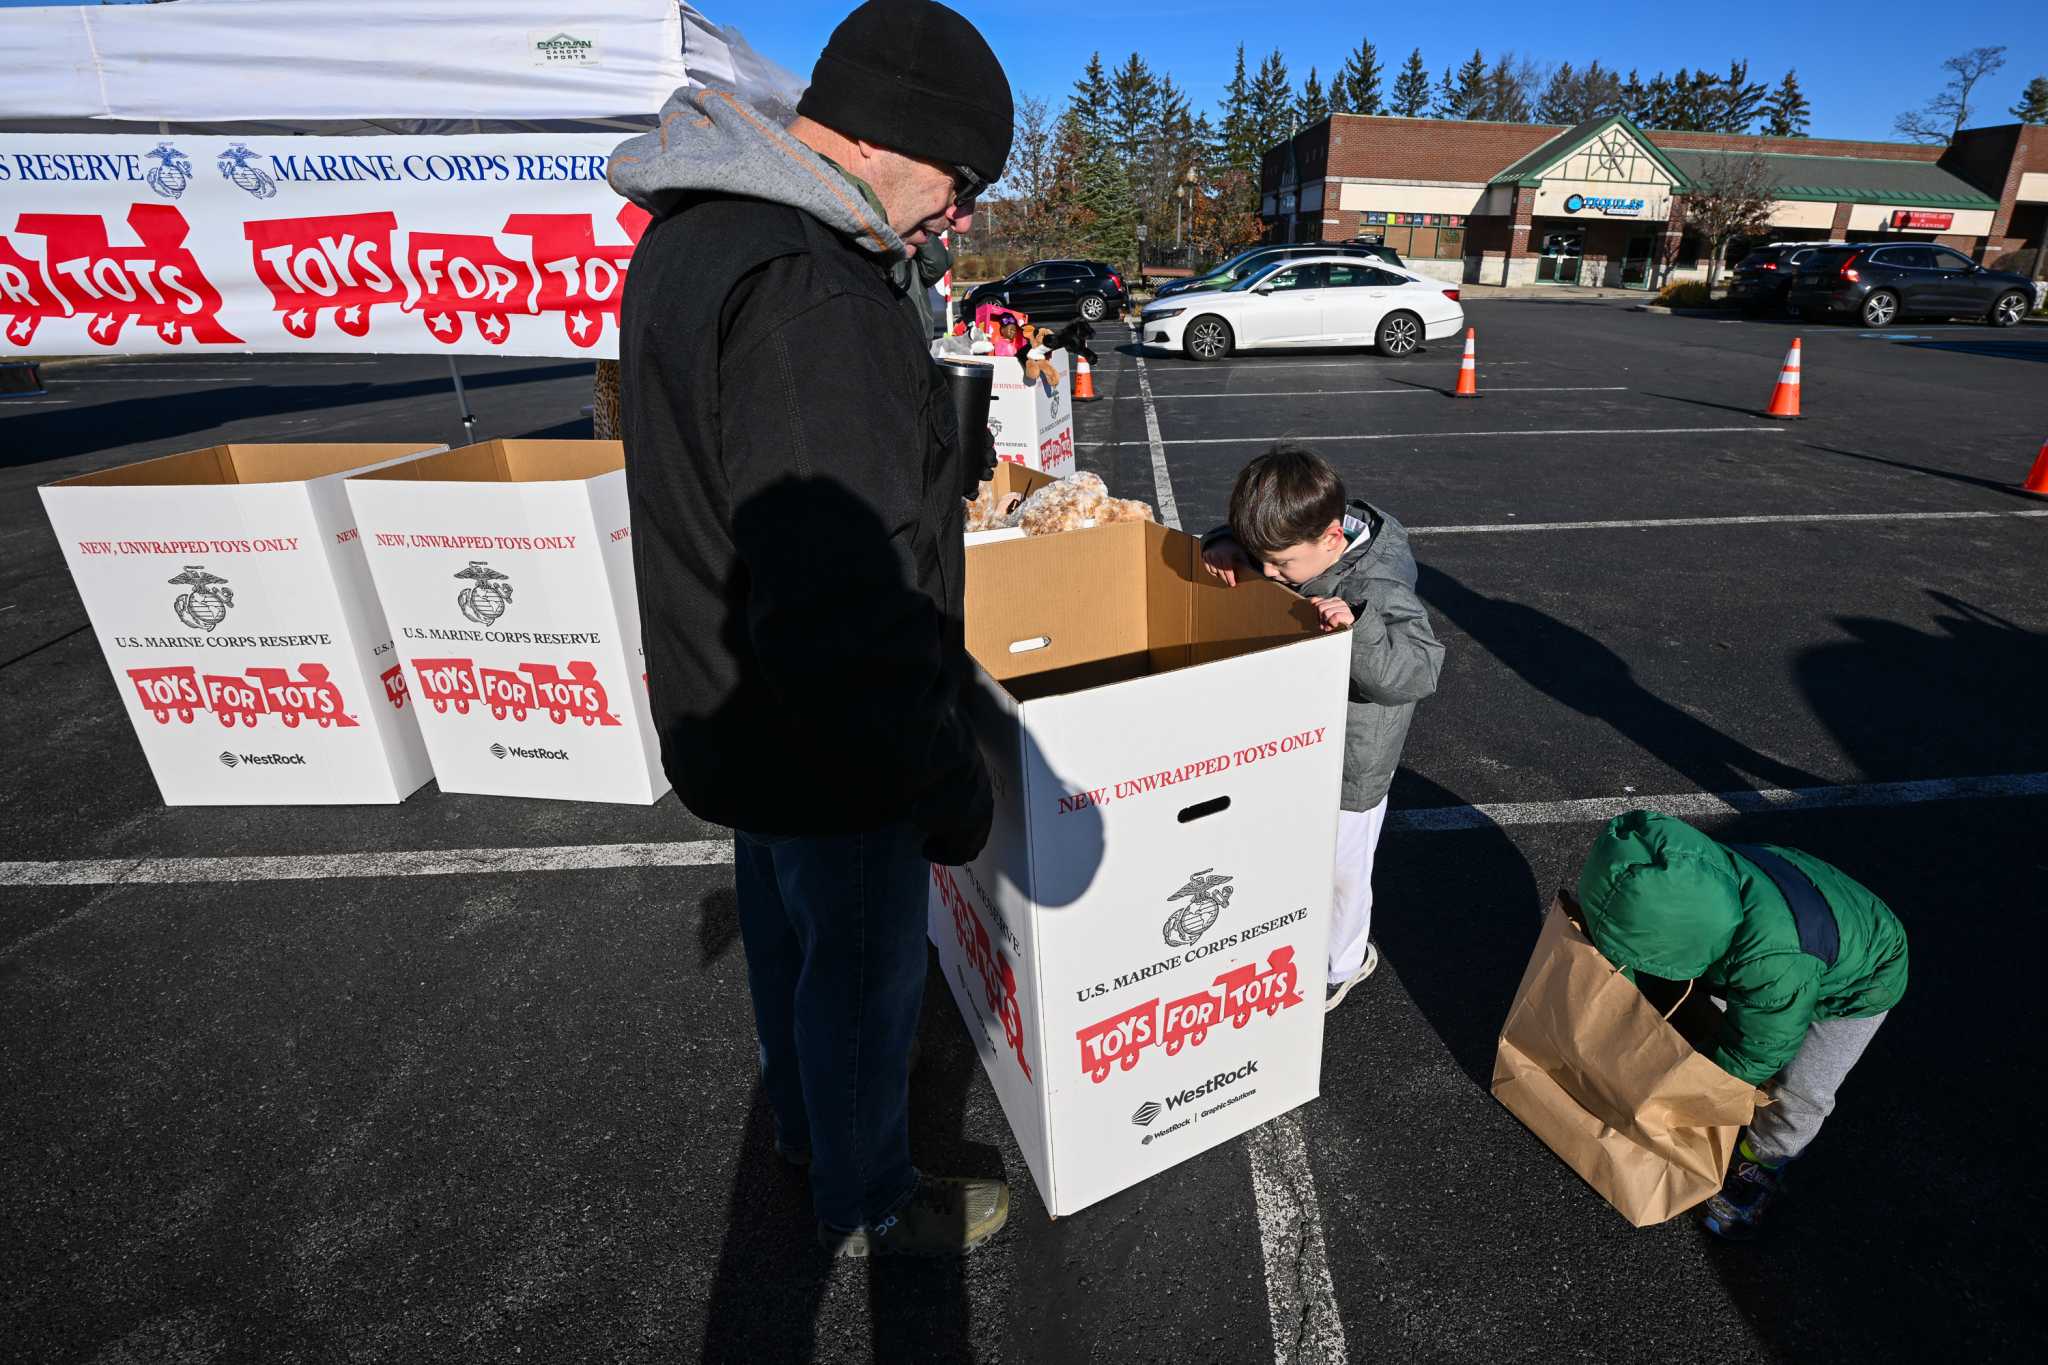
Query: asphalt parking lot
point(509, 1112)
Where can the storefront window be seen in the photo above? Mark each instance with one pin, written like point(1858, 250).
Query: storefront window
point(1424, 243)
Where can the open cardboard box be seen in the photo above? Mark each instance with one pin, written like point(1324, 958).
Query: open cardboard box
point(507, 569)
point(230, 594)
point(1011, 480)
point(1139, 952)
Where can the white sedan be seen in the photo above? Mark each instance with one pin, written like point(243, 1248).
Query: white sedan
point(1313, 301)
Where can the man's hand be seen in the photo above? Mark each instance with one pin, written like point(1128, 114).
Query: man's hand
point(1336, 615)
point(1226, 559)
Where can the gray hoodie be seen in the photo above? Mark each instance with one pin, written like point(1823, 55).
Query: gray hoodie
point(711, 140)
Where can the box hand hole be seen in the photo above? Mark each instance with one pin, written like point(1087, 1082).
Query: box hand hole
point(1026, 646)
point(1214, 805)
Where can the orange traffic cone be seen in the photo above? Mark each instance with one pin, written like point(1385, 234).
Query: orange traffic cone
point(1084, 382)
point(2037, 481)
point(1468, 370)
point(1785, 398)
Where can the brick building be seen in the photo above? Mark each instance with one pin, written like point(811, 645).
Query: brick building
point(1603, 203)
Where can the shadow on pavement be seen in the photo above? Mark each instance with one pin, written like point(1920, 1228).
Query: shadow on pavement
point(2015, 349)
point(1579, 671)
point(2012, 490)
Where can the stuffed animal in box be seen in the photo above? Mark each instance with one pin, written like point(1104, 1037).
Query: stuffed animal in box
point(1073, 339)
point(1075, 504)
point(1037, 358)
point(989, 511)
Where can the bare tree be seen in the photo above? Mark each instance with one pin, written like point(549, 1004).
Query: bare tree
point(1948, 111)
point(1731, 197)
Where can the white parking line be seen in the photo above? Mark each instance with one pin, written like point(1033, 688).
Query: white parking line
point(1775, 519)
point(455, 862)
point(1301, 1302)
point(1454, 435)
point(1198, 368)
point(1336, 393)
point(1162, 483)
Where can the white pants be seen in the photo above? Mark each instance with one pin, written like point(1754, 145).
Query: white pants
point(1358, 837)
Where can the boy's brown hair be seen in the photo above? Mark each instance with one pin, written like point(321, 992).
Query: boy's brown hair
point(1286, 497)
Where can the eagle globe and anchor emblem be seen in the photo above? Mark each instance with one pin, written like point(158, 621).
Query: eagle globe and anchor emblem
point(488, 594)
point(238, 167)
point(204, 603)
point(1207, 894)
point(172, 175)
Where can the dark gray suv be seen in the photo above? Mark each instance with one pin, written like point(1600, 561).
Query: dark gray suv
point(1881, 282)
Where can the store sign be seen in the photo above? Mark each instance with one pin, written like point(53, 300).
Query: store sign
point(1613, 208)
point(1920, 219)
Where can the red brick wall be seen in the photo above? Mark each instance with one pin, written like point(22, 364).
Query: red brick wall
point(1804, 146)
point(1378, 148)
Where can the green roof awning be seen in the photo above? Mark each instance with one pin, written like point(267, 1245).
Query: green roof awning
point(1847, 179)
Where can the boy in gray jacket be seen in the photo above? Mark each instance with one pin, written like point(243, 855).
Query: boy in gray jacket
point(1290, 520)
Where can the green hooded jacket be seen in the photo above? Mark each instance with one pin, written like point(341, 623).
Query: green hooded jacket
point(1660, 897)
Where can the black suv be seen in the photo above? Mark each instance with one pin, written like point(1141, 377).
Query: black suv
point(1764, 276)
point(1881, 282)
point(1056, 289)
point(1259, 257)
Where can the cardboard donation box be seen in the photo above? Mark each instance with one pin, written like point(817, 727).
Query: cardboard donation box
point(507, 571)
point(1011, 482)
point(1622, 1095)
point(1031, 424)
point(229, 592)
point(1139, 952)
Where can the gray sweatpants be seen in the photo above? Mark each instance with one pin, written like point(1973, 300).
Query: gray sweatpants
point(1805, 1089)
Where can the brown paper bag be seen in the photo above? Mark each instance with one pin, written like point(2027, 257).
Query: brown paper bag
point(1597, 1073)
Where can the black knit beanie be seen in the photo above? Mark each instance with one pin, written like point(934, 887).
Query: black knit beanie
point(916, 78)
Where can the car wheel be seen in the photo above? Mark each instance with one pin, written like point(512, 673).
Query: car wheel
point(2010, 308)
point(1399, 334)
point(1093, 307)
point(1881, 309)
point(1208, 338)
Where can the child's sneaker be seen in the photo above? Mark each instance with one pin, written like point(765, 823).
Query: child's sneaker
point(1333, 996)
point(947, 1216)
point(1736, 1214)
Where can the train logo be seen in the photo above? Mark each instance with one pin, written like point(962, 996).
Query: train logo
point(488, 594)
point(204, 603)
point(242, 698)
point(173, 172)
point(986, 957)
point(238, 167)
point(572, 691)
point(1237, 995)
point(1208, 896)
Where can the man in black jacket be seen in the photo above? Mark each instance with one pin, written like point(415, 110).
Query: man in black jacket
point(797, 519)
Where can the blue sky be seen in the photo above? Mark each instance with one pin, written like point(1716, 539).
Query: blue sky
point(1859, 68)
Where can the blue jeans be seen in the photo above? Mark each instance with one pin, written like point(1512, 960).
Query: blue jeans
point(834, 929)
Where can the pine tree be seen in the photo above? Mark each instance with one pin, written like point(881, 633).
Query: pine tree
point(1312, 106)
point(1563, 99)
point(1090, 101)
point(1411, 87)
point(1108, 216)
point(1504, 100)
point(2033, 105)
point(1132, 113)
point(1788, 113)
point(1734, 103)
point(1635, 98)
point(1238, 149)
point(1464, 94)
point(1272, 105)
point(1359, 81)
point(1602, 93)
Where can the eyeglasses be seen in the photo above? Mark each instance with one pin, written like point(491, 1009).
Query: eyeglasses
point(967, 184)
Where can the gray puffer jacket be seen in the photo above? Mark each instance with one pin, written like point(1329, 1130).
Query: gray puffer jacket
point(1395, 657)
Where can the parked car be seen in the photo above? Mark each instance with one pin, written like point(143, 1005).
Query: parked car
point(1056, 289)
point(1763, 277)
point(1331, 300)
point(1881, 282)
point(1259, 257)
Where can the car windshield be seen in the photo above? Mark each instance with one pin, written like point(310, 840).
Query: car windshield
point(1228, 270)
point(1254, 278)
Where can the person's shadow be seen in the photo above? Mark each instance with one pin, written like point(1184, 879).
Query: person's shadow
point(772, 1275)
point(1580, 672)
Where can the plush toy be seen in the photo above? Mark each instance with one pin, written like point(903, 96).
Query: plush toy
point(1009, 337)
point(1037, 358)
point(1075, 504)
point(987, 511)
point(1073, 339)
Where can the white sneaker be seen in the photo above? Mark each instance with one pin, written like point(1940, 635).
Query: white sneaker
point(1333, 996)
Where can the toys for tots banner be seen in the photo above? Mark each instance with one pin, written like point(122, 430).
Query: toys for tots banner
point(186, 244)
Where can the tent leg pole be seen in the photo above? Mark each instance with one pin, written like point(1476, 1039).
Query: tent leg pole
point(462, 404)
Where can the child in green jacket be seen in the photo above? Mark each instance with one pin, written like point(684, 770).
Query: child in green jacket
point(1807, 959)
